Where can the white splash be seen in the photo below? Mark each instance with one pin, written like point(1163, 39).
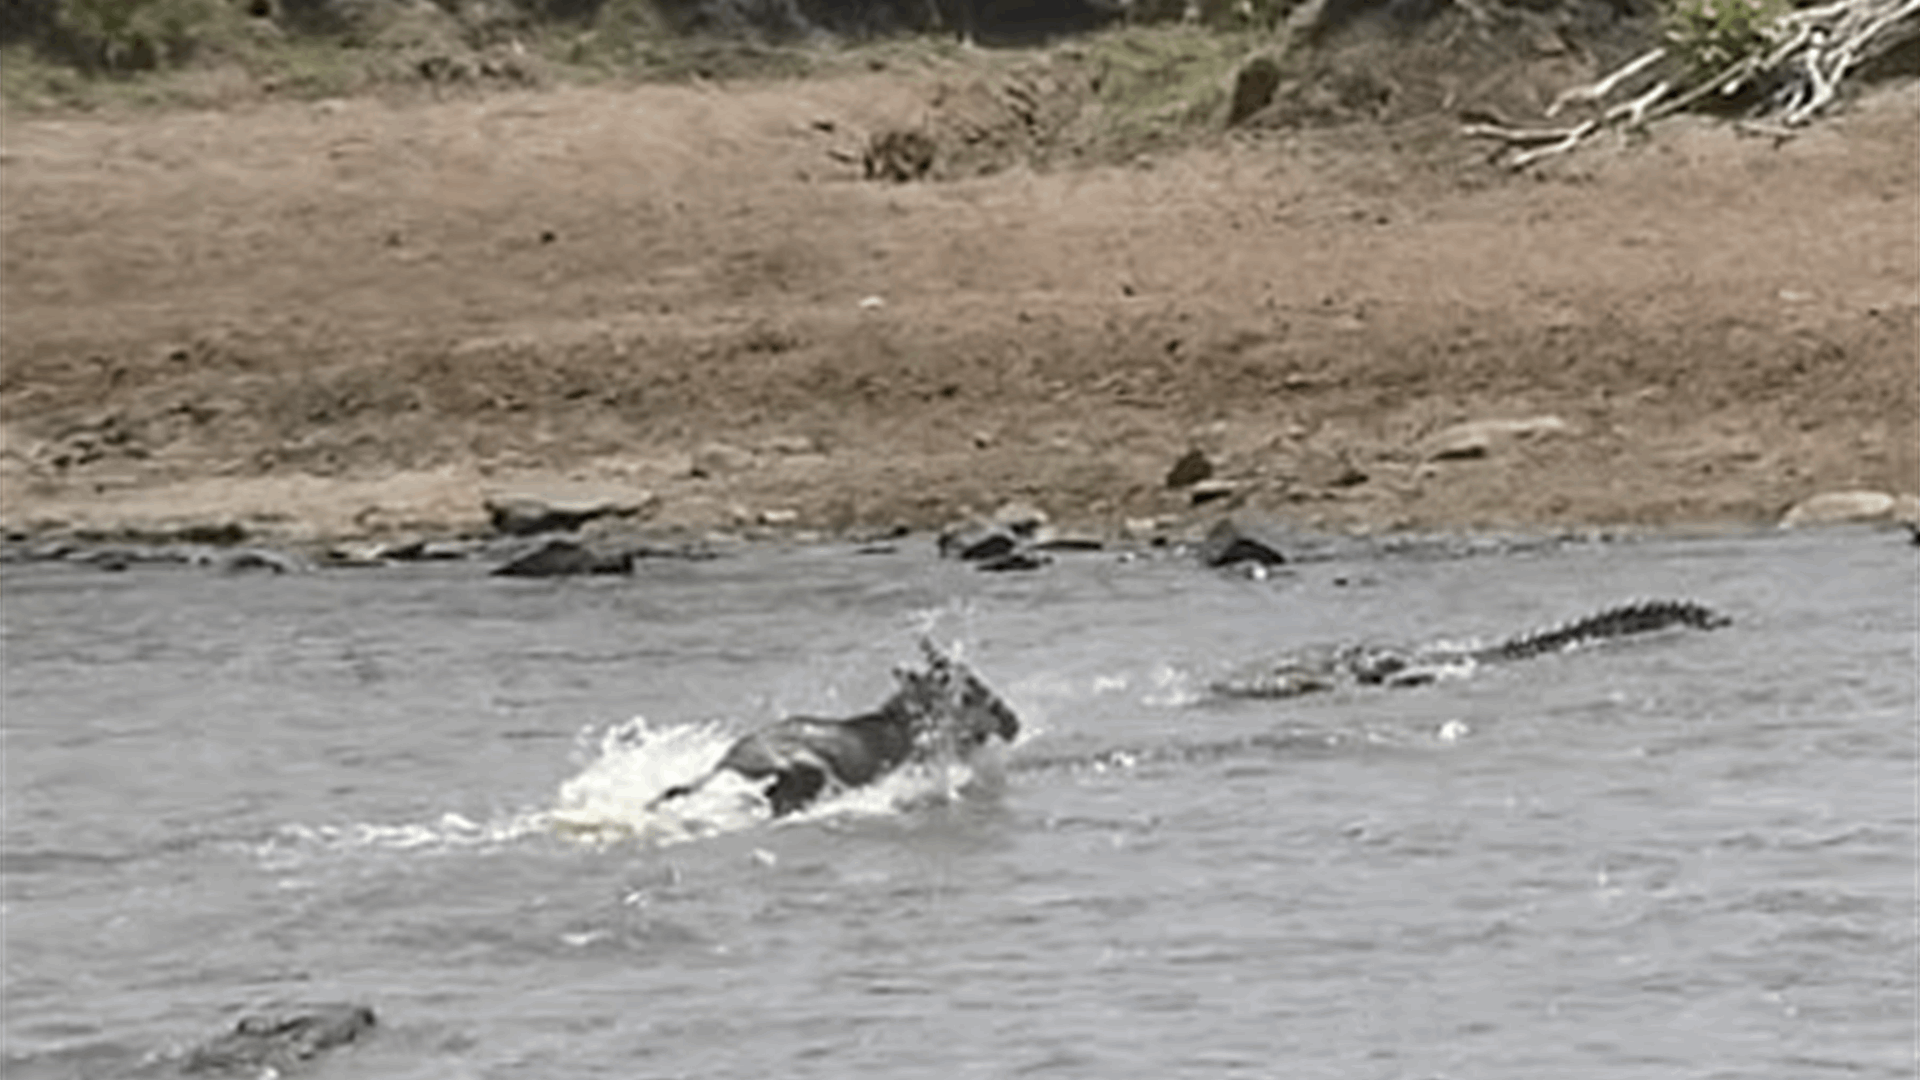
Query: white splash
point(626, 767)
point(1174, 688)
point(612, 797)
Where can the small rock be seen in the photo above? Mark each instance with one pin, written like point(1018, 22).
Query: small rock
point(721, 459)
point(692, 552)
point(431, 550)
point(563, 558)
point(1192, 468)
point(1014, 560)
point(1227, 543)
point(527, 515)
point(356, 553)
point(899, 155)
point(1254, 86)
point(1207, 491)
point(108, 558)
point(1023, 520)
point(219, 533)
point(1460, 446)
point(975, 542)
point(793, 445)
point(251, 559)
point(1478, 438)
point(1837, 507)
point(1069, 543)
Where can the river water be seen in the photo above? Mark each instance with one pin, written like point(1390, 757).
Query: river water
point(423, 788)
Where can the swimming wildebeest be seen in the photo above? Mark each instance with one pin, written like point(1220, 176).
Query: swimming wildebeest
point(944, 709)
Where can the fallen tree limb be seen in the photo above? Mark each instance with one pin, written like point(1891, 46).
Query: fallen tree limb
point(1807, 56)
point(1599, 90)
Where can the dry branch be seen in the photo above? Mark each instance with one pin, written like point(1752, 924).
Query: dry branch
point(1809, 53)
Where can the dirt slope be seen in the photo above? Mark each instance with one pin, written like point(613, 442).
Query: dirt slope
point(356, 317)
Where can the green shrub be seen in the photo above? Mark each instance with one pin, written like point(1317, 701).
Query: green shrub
point(1713, 35)
point(133, 35)
point(621, 30)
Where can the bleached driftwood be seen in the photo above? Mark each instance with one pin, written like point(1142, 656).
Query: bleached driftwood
point(1808, 55)
point(1598, 91)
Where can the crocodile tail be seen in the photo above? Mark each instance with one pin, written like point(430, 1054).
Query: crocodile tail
point(1639, 617)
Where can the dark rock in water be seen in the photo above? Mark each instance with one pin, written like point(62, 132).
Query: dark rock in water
point(1207, 491)
point(363, 553)
point(1009, 540)
point(1024, 520)
point(272, 1043)
point(1192, 468)
point(973, 543)
point(1228, 544)
point(563, 558)
point(1070, 543)
point(1014, 560)
point(522, 515)
point(249, 560)
point(682, 552)
point(430, 550)
point(113, 559)
point(224, 533)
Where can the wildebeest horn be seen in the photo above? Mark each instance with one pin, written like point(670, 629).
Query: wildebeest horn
point(936, 656)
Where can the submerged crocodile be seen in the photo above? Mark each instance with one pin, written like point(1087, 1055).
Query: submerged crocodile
point(1315, 670)
point(271, 1044)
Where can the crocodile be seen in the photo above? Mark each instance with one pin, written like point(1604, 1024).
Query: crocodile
point(1315, 670)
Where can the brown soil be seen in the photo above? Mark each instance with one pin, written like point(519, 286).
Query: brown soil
point(363, 317)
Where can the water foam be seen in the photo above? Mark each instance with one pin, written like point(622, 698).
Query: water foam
point(626, 768)
point(612, 796)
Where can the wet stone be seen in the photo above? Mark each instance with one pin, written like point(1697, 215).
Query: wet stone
point(564, 558)
point(1228, 544)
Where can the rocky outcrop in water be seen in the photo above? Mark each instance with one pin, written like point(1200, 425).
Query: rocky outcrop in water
point(1011, 540)
point(565, 558)
point(1230, 543)
point(273, 1044)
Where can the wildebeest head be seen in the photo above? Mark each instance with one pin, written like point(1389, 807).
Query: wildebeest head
point(950, 702)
